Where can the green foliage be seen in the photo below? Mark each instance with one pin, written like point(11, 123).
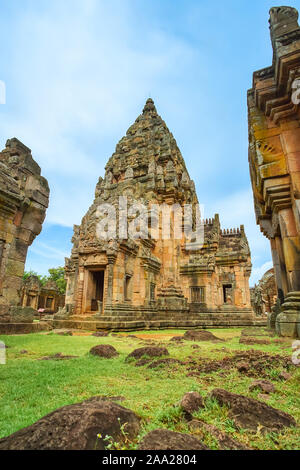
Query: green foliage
point(55, 274)
point(42, 279)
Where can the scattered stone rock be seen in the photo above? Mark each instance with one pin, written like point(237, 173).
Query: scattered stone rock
point(285, 375)
point(57, 356)
point(163, 439)
point(225, 441)
point(23, 351)
point(149, 351)
point(190, 403)
point(251, 341)
point(195, 346)
point(104, 350)
point(200, 335)
point(264, 385)
point(100, 334)
point(81, 426)
point(248, 413)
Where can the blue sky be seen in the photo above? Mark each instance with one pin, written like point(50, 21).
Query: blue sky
point(78, 72)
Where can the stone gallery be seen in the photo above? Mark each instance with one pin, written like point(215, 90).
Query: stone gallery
point(163, 279)
point(274, 158)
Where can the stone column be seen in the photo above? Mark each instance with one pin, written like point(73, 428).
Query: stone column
point(288, 321)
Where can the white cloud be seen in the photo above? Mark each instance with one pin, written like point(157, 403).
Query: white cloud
point(257, 273)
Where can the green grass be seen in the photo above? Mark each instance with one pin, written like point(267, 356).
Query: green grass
point(29, 389)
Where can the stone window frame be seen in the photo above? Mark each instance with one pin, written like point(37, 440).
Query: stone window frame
point(200, 294)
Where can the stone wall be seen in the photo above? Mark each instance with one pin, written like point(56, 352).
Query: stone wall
point(24, 195)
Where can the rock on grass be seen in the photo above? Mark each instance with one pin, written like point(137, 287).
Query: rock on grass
point(104, 350)
point(82, 426)
point(149, 351)
point(190, 403)
point(250, 414)
point(200, 335)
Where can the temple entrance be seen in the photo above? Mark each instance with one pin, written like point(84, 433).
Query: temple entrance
point(227, 293)
point(94, 291)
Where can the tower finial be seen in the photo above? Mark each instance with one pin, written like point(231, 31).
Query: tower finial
point(149, 107)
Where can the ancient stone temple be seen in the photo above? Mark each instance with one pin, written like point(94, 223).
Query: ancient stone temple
point(274, 159)
point(24, 197)
point(41, 297)
point(153, 281)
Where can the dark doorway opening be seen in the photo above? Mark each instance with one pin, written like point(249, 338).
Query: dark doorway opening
point(98, 281)
point(227, 293)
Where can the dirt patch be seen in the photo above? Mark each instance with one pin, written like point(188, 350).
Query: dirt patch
point(250, 341)
point(57, 356)
point(251, 363)
point(164, 362)
point(100, 334)
point(200, 335)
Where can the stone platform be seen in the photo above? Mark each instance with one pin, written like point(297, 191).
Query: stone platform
point(23, 328)
point(128, 323)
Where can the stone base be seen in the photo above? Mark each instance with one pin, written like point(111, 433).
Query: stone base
point(129, 323)
point(23, 328)
point(288, 321)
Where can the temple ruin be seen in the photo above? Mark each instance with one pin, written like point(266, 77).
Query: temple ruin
point(264, 294)
point(24, 196)
point(130, 283)
point(274, 159)
point(43, 297)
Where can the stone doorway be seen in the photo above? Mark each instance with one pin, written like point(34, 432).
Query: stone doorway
point(227, 293)
point(94, 291)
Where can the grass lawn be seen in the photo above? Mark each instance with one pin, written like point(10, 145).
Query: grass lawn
point(29, 388)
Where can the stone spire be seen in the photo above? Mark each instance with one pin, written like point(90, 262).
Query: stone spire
point(149, 107)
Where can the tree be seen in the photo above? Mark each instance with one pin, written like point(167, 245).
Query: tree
point(57, 275)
